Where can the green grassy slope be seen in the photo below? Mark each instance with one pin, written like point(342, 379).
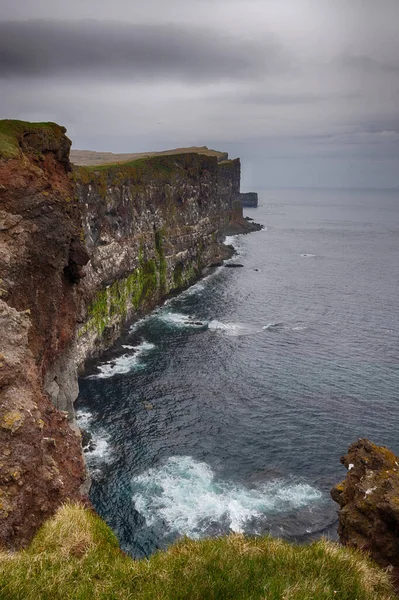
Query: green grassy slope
point(75, 555)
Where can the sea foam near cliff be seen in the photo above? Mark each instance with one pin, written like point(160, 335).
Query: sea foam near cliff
point(184, 494)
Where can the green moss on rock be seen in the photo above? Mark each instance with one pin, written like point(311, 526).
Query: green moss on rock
point(40, 137)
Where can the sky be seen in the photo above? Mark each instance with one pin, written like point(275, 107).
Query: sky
point(305, 92)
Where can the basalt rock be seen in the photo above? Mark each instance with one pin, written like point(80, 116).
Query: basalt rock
point(369, 502)
point(249, 199)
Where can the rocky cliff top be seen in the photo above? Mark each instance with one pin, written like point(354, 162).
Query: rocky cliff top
point(17, 137)
point(91, 158)
point(369, 501)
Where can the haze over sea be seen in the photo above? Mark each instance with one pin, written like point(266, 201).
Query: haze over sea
point(230, 406)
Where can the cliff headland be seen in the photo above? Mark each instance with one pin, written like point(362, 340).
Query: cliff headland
point(84, 249)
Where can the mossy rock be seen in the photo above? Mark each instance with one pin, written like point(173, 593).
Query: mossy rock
point(21, 136)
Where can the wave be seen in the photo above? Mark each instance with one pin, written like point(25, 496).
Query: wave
point(283, 326)
point(84, 419)
point(125, 363)
point(180, 320)
point(231, 240)
point(184, 495)
point(233, 329)
point(273, 326)
point(98, 448)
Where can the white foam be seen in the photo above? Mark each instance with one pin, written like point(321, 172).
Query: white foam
point(99, 440)
point(83, 419)
point(283, 326)
point(233, 329)
point(181, 320)
point(184, 495)
point(271, 326)
point(125, 363)
point(101, 449)
point(231, 240)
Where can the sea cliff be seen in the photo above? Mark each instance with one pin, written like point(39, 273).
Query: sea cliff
point(249, 199)
point(83, 250)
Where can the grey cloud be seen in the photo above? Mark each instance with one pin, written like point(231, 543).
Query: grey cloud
point(367, 64)
point(269, 98)
point(115, 49)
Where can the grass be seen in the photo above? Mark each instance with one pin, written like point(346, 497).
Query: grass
point(75, 555)
point(92, 158)
point(12, 131)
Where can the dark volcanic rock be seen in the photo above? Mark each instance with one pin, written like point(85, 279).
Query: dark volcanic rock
point(249, 199)
point(369, 501)
point(233, 266)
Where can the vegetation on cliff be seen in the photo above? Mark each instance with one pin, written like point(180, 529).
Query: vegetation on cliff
point(369, 501)
point(13, 134)
point(75, 555)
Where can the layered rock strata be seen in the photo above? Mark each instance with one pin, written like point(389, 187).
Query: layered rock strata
point(369, 502)
point(82, 250)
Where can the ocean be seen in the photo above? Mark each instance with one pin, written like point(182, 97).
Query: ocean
point(228, 408)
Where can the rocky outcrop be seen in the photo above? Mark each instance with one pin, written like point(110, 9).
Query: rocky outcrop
point(369, 502)
point(82, 251)
point(249, 199)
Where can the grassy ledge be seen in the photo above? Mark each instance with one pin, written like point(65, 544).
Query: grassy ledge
point(75, 555)
point(13, 131)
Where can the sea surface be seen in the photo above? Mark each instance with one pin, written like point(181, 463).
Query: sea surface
point(228, 408)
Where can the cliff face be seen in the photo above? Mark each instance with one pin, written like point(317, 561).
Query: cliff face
point(82, 250)
point(249, 199)
point(40, 458)
point(151, 227)
point(369, 502)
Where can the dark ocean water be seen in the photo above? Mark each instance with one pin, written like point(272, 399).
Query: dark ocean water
point(229, 408)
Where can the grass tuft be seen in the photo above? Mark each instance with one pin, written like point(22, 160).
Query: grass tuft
point(75, 555)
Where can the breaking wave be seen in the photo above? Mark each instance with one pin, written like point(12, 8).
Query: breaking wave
point(180, 320)
point(233, 329)
point(125, 363)
point(184, 495)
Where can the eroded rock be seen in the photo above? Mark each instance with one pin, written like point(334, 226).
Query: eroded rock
point(369, 501)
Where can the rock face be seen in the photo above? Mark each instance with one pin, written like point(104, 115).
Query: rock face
point(369, 502)
point(82, 250)
point(40, 247)
point(249, 199)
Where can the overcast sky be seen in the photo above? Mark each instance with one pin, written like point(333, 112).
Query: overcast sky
point(306, 92)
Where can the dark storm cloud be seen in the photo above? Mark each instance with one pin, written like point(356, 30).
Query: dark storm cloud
point(115, 49)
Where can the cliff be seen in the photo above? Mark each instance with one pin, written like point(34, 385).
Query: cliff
point(82, 250)
point(249, 199)
point(369, 502)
